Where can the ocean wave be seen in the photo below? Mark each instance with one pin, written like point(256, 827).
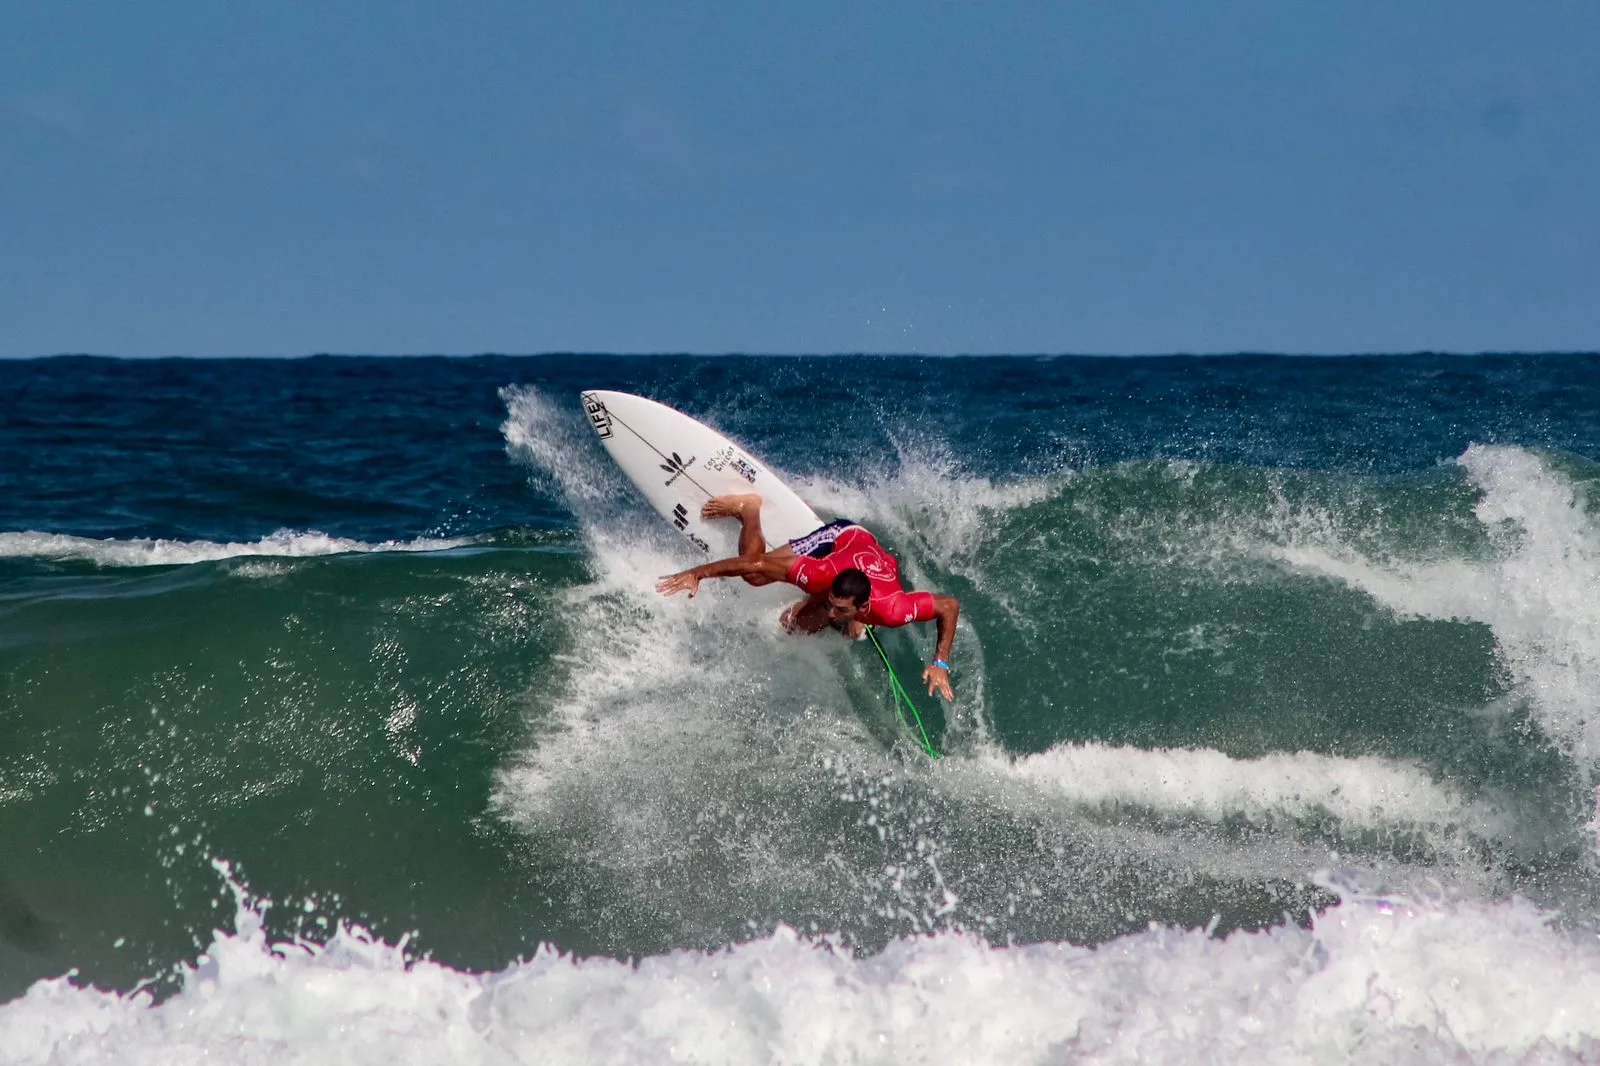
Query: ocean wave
point(675, 737)
point(285, 543)
point(1534, 590)
point(1376, 977)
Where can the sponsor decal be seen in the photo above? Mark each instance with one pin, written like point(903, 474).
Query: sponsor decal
point(676, 466)
point(728, 458)
point(680, 518)
point(599, 417)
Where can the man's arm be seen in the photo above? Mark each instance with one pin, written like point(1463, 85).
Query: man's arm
point(946, 609)
point(766, 566)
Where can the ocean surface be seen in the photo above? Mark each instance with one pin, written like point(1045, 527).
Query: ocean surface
point(340, 721)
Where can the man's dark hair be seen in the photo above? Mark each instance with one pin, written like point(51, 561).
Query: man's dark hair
point(852, 584)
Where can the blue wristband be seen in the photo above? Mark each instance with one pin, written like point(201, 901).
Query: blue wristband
point(941, 664)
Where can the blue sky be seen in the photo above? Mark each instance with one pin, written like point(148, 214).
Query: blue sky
point(261, 178)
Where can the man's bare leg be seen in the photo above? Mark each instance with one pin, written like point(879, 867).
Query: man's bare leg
point(746, 507)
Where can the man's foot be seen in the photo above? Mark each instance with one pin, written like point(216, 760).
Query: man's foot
point(730, 506)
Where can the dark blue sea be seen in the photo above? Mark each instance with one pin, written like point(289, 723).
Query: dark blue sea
point(340, 720)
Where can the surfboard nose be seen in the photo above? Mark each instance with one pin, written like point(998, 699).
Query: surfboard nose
point(678, 463)
point(599, 418)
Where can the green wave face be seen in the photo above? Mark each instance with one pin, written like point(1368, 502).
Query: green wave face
point(330, 723)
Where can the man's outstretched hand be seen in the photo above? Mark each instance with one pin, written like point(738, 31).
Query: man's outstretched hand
point(938, 680)
point(683, 581)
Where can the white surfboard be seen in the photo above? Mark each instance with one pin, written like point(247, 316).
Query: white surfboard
point(679, 464)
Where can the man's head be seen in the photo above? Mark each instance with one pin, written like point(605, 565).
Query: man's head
point(848, 595)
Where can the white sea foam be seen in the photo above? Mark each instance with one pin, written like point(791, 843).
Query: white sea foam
point(1360, 793)
point(285, 543)
point(1376, 979)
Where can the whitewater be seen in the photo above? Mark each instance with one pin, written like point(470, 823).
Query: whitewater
point(1373, 979)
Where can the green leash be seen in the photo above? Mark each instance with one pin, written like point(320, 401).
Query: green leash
point(900, 698)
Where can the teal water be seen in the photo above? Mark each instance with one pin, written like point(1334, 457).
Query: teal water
point(382, 635)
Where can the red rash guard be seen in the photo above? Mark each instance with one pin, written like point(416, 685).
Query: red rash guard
point(855, 548)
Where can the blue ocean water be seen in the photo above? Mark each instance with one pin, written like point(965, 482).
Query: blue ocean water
point(1276, 728)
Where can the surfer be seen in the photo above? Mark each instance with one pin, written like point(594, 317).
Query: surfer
point(850, 580)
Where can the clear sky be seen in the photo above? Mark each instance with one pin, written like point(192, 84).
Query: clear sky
point(1116, 176)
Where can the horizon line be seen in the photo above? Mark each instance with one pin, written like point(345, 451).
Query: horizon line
point(593, 353)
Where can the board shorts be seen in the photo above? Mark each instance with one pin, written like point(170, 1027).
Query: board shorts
point(819, 542)
point(842, 545)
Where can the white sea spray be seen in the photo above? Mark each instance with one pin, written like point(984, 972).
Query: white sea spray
point(1377, 978)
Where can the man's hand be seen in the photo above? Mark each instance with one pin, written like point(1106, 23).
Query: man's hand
point(938, 679)
point(683, 581)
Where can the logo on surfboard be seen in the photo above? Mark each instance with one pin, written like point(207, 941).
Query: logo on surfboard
point(680, 518)
point(676, 466)
point(599, 417)
point(728, 459)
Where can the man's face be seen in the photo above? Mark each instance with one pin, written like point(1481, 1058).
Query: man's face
point(842, 609)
